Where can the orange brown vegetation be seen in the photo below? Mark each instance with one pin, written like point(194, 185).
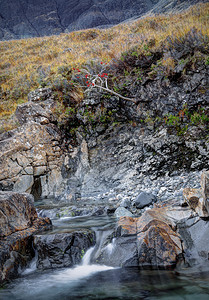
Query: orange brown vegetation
point(26, 64)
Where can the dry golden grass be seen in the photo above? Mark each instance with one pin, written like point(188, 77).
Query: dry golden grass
point(25, 63)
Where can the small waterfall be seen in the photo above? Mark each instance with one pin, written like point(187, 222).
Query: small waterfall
point(85, 269)
point(110, 247)
point(33, 265)
point(101, 238)
point(87, 257)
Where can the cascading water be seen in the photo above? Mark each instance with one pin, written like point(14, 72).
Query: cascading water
point(33, 265)
point(92, 281)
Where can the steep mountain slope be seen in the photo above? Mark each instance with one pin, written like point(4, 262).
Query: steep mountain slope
point(30, 18)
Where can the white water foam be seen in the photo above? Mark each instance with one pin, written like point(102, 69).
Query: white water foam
point(81, 271)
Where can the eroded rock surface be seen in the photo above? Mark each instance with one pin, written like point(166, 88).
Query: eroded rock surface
point(31, 156)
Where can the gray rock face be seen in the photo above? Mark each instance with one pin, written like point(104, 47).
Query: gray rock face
point(196, 241)
point(62, 249)
point(22, 19)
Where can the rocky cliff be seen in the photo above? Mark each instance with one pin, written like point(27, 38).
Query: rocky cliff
point(23, 19)
point(106, 148)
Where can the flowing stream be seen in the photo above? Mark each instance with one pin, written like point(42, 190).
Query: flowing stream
point(92, 281)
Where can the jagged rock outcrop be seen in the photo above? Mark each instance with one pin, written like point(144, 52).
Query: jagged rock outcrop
point(61, 250)
point(198, 199)
point(161, 237)
point(18, 223)
point(147, 241)
point(32, 155)
point(23, 19)
point(113, 149)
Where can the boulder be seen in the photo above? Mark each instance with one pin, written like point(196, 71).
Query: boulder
point(121, 212)
point(158, 245)
point(17, 212)
point(18, 223)
point(144, 199)
point(195, 241)
point(121, 252)
point(62, 249)
point(146, 241)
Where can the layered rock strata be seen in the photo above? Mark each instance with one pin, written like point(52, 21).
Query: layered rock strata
point(31, 156)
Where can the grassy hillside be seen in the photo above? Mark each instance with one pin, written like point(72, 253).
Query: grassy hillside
point(31, 63)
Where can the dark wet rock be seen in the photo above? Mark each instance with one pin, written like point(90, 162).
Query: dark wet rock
point(18, 223)
point(16, 250)
point(144, 199)
point(122, 253)
point(62, 249)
